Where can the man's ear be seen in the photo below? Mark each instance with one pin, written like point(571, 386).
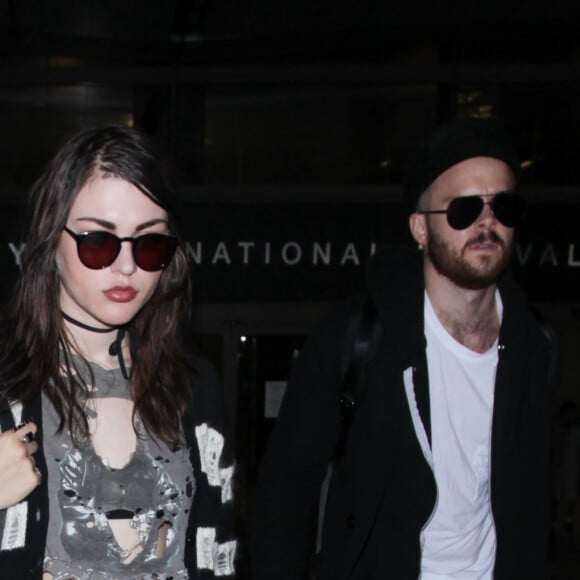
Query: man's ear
point(418, 227)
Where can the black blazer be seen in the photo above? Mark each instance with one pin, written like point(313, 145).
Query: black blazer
point(384, 490)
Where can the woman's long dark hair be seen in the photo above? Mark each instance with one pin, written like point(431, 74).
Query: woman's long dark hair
point(36, 346)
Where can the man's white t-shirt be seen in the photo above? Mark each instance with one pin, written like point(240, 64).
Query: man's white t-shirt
point(459, 540)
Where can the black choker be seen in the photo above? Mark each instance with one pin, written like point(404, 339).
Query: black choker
point(115, 348)
point(86, 326)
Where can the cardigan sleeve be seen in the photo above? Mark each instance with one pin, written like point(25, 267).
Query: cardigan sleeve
point(23, 527)
point(210, 541)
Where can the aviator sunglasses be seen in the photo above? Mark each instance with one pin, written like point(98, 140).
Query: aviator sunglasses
point(508, 207)
point(97, 250)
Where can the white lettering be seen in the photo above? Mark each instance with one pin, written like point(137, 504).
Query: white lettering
point(290, 253)
point(549, 255)
point(523, 257)
point(350, 255)
point(571, 253)
point(17, 251)
point(194, 254)
point(221, 254)
point(245, 250)
point(321, 253)
point(291, 246)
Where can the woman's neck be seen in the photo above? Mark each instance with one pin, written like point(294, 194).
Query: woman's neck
point(94, 342)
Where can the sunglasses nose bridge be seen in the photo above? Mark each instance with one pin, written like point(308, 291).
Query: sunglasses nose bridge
point(486, 210)
point(125, 260)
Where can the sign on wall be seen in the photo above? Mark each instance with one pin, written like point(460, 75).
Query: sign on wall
point(317, 251)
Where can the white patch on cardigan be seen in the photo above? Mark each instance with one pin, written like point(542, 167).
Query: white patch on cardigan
point(226, 477)
point(204, 543)
point(211, 444)
point(14, 535)
point(214, 556)
point(224, 558)
point(16, 409)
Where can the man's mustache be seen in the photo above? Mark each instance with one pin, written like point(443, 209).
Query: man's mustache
point(488, 236)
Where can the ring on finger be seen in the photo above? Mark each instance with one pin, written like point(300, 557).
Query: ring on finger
point(28, 438)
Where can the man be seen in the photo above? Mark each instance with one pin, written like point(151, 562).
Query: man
point(444, 472)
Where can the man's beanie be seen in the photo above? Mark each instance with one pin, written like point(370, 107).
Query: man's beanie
point(452, 143)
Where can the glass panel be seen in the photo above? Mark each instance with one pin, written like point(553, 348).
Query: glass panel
point(264, 364)
point(543, 118)
point(284, 135)
point(539, 118)
point(312, 135)
point(36, 120)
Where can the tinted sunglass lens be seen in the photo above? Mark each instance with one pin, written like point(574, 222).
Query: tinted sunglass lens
point(98, 250)
point(508, 208)
point(463, 211)
point(153, 252)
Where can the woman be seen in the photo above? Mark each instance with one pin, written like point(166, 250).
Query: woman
point(113, 463)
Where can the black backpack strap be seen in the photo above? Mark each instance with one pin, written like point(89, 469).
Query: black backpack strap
point(361, 340)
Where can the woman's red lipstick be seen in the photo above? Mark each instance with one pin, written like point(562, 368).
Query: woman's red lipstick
point(120, 293)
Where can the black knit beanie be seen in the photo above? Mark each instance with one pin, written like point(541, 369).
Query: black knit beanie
point(452, 143)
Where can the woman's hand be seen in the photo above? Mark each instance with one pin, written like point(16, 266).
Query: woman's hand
point(18, 473)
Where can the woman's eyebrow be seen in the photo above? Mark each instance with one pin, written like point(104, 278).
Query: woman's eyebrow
point(100, 222)
point(111, 226)
point(150, 223)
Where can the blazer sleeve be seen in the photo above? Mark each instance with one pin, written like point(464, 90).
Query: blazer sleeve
point(294, 465)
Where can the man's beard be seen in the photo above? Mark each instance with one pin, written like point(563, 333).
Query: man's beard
point(453, 265)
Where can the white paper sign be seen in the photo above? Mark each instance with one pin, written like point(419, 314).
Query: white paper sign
point(273, 398)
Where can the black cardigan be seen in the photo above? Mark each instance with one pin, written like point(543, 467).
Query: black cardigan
point(208, 509)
